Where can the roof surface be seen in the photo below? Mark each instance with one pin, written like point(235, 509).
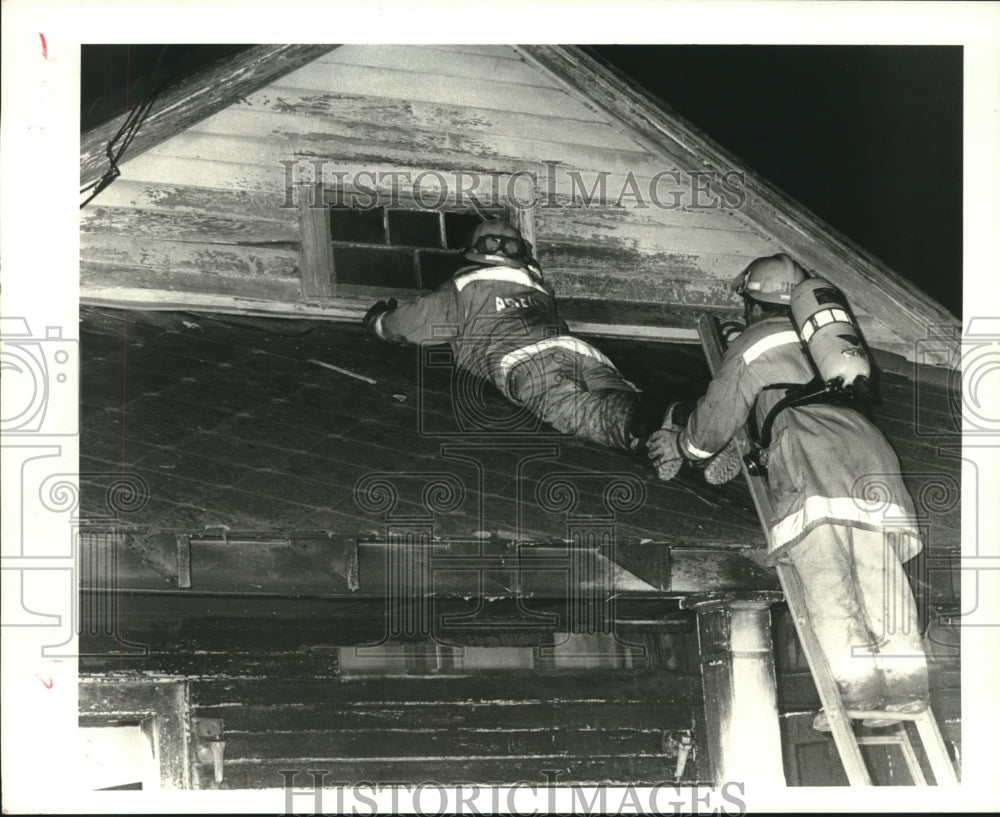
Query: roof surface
point(242, 422)
point(236, 422)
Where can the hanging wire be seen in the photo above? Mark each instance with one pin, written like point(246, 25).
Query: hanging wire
point(126, 133)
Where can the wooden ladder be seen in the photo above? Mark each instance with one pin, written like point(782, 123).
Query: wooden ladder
point(840, 719)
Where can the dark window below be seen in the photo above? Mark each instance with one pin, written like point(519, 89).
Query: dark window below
point(413, 228)
point(358, 226)
point(424, 246)
point(376, 268)
point(458, 227)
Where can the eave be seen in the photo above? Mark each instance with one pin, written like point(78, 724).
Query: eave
point(194, 98)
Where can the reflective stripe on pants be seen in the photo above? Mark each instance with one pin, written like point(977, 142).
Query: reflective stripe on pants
point(577, 394)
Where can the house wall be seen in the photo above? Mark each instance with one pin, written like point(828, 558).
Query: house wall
point(578, 709)
point(504, 708)
point(209, 215)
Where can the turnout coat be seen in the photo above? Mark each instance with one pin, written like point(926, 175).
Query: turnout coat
point(502, 325)
point(494, 317)
point(826, 464)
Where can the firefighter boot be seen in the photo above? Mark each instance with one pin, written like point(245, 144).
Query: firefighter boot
point(725, 465)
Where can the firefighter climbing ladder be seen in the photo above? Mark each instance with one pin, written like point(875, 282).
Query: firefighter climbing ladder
point(840, 719)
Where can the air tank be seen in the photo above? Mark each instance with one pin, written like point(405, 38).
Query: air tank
point(828, 330)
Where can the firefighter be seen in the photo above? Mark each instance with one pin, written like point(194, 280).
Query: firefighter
point(842, 515)
point(500, 317)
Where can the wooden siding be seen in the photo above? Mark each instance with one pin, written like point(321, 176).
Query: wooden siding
point(401, 109)
point(589, 727)
point(506, 111)
point(194, 98)
point(291, 695)
point(290, 698)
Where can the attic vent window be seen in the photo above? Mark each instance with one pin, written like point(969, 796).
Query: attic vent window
point(398, 247)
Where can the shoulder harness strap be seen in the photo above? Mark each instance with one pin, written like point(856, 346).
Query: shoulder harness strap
point(799, 394)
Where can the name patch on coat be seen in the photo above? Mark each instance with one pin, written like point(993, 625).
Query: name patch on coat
point(516, 302)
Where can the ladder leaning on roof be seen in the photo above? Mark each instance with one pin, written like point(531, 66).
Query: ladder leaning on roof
point(840, 719)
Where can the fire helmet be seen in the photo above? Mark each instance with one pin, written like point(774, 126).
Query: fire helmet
point(769, 280)
point(497, 243)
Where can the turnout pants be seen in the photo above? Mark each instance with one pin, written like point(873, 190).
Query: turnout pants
point(864, 615)
point(573, 387)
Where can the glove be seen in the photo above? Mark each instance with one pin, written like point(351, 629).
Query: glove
point(664, 451)
point(371, 316)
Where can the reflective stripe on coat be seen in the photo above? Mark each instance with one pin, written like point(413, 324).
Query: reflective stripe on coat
point(826, 464)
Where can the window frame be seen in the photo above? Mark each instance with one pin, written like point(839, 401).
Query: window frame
point(320, 282)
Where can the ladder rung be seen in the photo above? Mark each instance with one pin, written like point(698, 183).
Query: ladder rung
point(881, 714)
point(880, 740)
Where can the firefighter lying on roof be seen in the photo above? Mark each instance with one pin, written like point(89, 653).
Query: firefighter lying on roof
point(841, 511)
point(503, 324)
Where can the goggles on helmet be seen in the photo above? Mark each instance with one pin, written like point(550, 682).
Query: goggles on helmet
point(501, 245)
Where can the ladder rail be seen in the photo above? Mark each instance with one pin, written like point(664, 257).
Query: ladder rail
point(840, 722)
point(847, 742)
point(935, 749)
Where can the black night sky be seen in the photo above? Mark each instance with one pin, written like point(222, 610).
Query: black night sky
point(867, 137)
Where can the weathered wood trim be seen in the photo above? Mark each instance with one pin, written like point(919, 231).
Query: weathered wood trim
point(194, 290)
point(308, 130)
point(341, 308)
point(524, 220)
point(815, 243)
point(317, 566)
point(336, 110)
point(610, 770)
point(351, 303)
point(179, 225)
point(504, 65)
point(165, 700)
point(316, 264)
point(445, 89)
point(196, 97)
point(410, 745)
point(674, 710)
point(411, 691)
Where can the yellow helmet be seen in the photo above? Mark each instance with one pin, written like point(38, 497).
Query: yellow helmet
point(770, 280)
